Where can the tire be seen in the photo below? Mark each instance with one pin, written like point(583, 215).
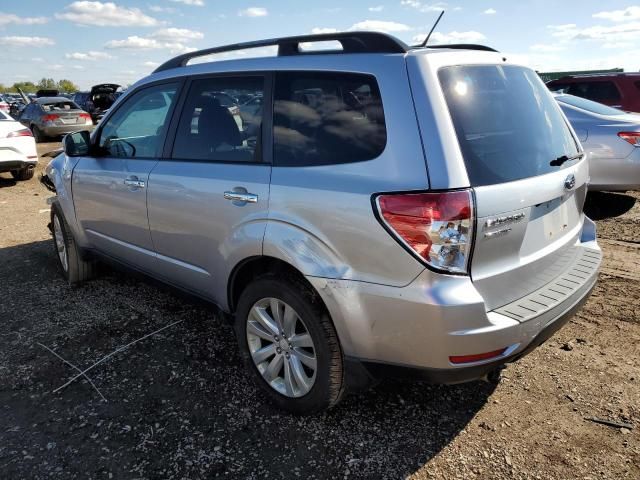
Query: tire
point(327, 384)
point(74, 268)
point(38, 136)
point(23, 173)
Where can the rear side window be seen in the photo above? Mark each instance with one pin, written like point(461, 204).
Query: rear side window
point(213, 126)
point(597, 91)
point(323, 118)
point(508, 124)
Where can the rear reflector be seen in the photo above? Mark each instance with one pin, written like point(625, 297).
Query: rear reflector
point(23, 132)
point(437, 227)
point(477, 357)
point(631, 137)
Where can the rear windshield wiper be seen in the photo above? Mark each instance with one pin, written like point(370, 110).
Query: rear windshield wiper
point(565, 158)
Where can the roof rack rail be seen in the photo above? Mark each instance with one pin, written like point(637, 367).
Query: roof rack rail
point(465, 46)
point(352, 42)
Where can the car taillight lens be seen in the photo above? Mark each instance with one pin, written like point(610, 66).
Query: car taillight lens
point(632, 137)
point(50, 118)
point(437, 227)
point(24, 132)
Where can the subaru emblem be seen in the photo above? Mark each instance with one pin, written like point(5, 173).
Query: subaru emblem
point(570, 181)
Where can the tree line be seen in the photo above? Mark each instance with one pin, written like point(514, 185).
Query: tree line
point(62, 85)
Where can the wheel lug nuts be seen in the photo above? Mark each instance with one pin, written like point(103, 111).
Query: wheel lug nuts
point(276, 337)
point(278, 350)
point(287, 355)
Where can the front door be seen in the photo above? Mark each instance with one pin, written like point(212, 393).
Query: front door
point(110, 188)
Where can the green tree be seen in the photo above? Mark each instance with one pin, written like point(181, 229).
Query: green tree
point(26, 87)
point(2, 88)
point(67, 86)
point(47, 84)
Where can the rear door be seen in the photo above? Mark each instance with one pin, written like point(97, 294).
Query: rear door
point(110, 187)
point(209, 198)
point(529, 187)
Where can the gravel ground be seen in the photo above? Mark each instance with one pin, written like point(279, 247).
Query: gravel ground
point(178, 405)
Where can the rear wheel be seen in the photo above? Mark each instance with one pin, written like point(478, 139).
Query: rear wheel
point(74, 268)
point(24, 173)
point(289, 345)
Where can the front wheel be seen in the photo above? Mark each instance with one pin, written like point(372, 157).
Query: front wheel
point(38, 136)
point(289, 344)
point(75, 269)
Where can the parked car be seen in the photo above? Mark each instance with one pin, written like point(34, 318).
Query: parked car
point(4, 104)
point(17, 149)
point(412, 210)
point(53, 117)
point(611, 140)
point(618, 90)
point(98, 100)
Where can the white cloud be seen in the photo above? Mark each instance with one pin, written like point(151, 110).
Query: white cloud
point(320, 30)
point(56, 67)
point(544, 48)
point(490, 11)
point(77, 67)
point(377, 8)
point(161, 9)
point(18, 41)
point(629, 13)
point(151, 64)
point(470, 36)
point(380, 26)
point(426, 7)
point(9, 18)
point(253, 12)
point(106, 14)
point(195, 3)
point(177, 34)
point(146, 43)
point(90, 56)
point(612, 34)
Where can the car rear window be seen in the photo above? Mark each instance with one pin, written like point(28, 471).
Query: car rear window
point(508, 125)
point(588, 105)
point(323, 118)
point(59, 106)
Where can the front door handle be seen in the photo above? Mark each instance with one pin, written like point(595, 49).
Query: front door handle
point(134, 182)
point(241, 197)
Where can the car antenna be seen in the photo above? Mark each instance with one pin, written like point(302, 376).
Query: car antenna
point(424, 44)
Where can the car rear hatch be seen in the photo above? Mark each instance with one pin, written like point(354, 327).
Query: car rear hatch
point(525, 170)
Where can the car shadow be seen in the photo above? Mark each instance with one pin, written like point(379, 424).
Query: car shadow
point(603, 205)
point(6, 182)
point(179, 403)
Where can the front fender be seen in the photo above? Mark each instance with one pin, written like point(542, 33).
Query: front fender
point(60, 171)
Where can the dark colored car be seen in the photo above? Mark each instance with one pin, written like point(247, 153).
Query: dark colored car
point(53, 117)
point(618, 90)
point(98, 100)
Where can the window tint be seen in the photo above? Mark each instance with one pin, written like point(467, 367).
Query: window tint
point(597, 91)
point(323, 118)
point(214, 127)
point(136, 129)
point(508, 125)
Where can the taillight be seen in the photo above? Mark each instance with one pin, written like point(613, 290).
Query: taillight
point(437, 227)
point(23, 132)
point(86, 117)
point(50, 118)
point(632, 137)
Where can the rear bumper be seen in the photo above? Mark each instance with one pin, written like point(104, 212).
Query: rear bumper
point(615, 174)
point(59, 130)
point(9, 165)
point(418, 327)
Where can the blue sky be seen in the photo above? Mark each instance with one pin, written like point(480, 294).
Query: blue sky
point(91, 42)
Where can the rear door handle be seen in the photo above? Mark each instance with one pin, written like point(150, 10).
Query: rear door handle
point(241, 197)
point(134, 182)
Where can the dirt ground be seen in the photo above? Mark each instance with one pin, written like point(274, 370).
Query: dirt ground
point(178, 404)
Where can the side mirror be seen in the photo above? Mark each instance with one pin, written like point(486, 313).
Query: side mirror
point(77, 144)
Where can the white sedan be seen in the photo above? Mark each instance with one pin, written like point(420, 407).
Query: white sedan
point(17, 148)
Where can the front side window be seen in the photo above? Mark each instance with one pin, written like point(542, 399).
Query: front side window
point(598, 91)
point(214, 127)
point(507, 122)
point(137, 128)
point(323, 118)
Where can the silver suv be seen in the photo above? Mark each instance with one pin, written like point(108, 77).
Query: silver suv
point(386, 209)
